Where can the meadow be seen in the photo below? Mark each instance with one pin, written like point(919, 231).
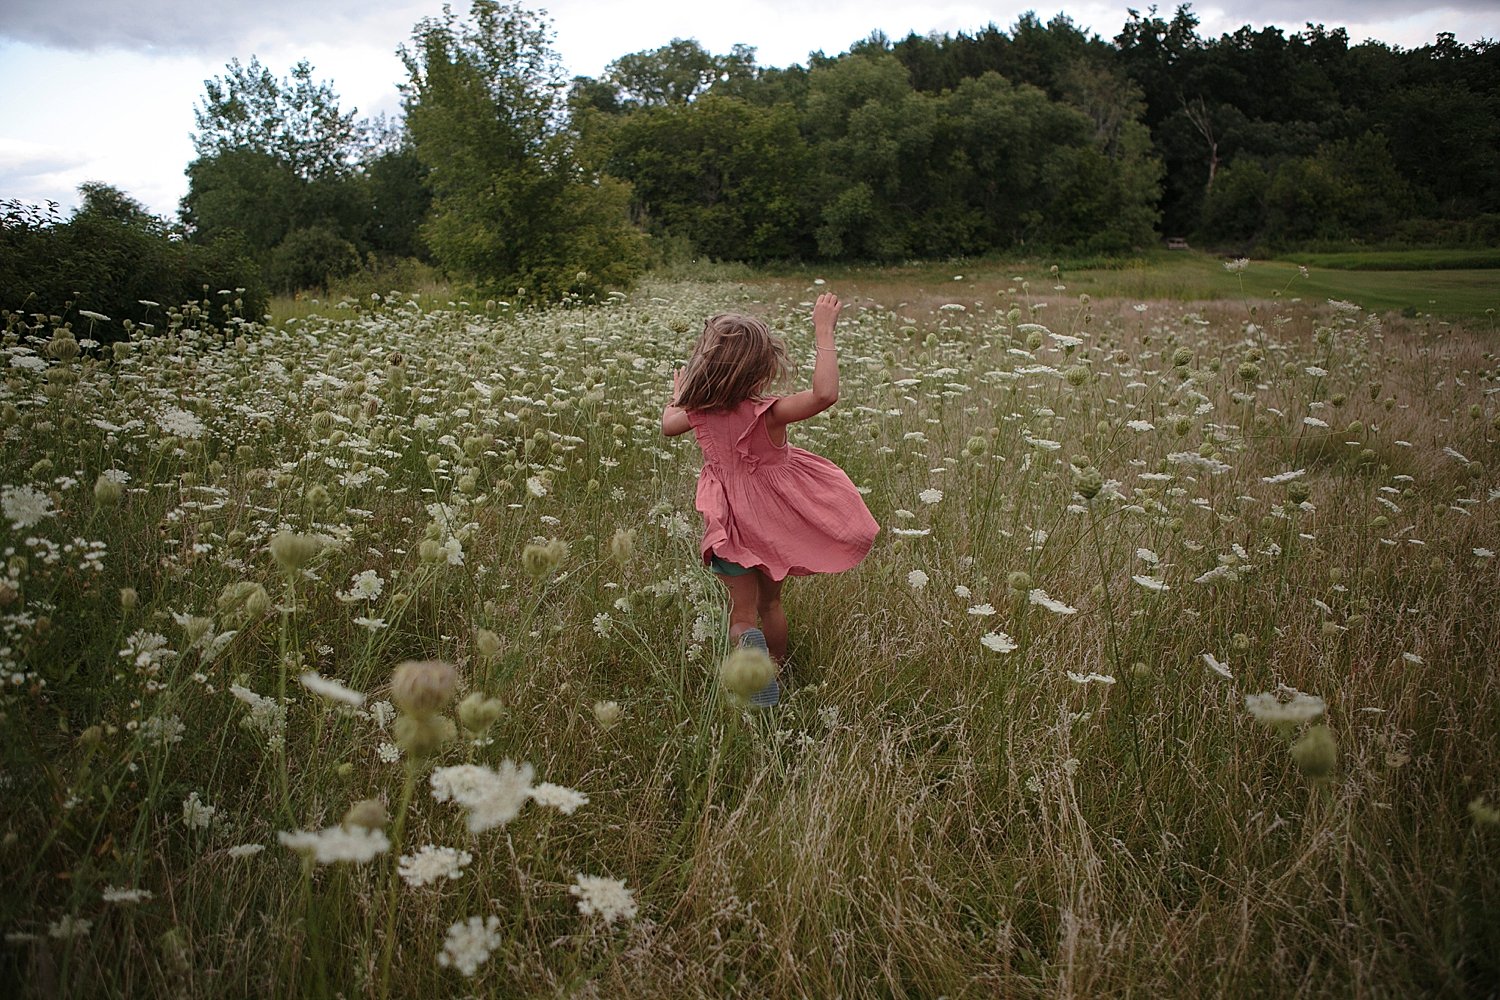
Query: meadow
point(367, 653)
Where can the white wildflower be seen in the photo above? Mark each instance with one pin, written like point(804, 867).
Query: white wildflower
point(1270, 709)
point(24, 506)
point(492, 798)
point(118, 894)
point(355, 844)
point(180, 423)
point(327, 687)
point(564, 800)
point(605, 896)
point(197, 814)
point(999, 642)
point(469, 944)
point(433, 864)
point(1212, 662)
point(365, 586)
point(916, 579)
point(69, 926)
point(1039, 596)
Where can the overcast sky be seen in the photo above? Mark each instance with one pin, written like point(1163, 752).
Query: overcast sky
point(104, 90)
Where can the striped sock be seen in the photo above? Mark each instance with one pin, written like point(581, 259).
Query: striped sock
point(770, 695)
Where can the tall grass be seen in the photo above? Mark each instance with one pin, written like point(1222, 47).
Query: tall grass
point(1306, 494)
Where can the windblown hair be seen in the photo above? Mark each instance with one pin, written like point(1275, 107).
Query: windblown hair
point(736, 357)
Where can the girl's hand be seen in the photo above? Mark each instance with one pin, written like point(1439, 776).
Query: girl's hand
point(826, 312)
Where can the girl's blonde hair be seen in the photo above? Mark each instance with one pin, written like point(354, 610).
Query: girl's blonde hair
point(736, 357)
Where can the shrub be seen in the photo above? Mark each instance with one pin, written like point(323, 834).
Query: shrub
point(114, 258)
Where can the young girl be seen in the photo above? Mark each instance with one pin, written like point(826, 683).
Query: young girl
point(770, 510)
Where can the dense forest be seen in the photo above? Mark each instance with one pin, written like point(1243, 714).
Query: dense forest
point(1040, 138)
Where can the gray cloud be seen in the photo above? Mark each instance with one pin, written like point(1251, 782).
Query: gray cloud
point(191, 26)
point(1292, 15)
point(194, 26)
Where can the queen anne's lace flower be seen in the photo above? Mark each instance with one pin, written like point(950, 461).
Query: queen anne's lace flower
point(492, 798)
point(605, 896)
point(24, 506)
point(469, 944)
point(356, 844)
point(433, 864)
point(564, 800)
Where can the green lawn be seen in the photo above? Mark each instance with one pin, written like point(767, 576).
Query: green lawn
point(1441, 290)
point(1195, 276)
point(1189, 276)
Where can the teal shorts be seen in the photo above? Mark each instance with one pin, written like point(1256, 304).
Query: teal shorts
point(724, 567)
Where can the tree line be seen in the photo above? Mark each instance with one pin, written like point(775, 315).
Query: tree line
point(1043, 138)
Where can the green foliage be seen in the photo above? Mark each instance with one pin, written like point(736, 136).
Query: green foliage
point(675, 74)
point(115, 259)
point(722, 173)
point(296, 122)
point(511, 209)
point(311, 258)
point(279, 158)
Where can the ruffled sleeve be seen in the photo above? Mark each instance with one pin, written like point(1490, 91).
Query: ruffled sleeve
point(742, 444)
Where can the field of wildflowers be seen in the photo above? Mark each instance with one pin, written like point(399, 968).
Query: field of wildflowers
point(368, 655)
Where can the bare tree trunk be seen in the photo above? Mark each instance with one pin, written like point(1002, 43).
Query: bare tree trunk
point(1197, 113)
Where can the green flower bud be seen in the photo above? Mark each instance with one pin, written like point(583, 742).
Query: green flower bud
point(1088, 482)
point(487, 643)
point(744, 672)
point(1316, 753)
point(293, 551)
point(368, 813)
point(107, 491)
point(425, 736)
point(1019, 581)
point(476, 713)
point(1182, 357)
point(607, 713)
point(622, 545)
point(423, 687)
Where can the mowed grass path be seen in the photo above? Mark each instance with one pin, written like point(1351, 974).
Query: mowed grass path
point(1188, 277)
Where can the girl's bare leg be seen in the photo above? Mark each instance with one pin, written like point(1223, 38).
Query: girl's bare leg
point(772, 618)
point(744, 596)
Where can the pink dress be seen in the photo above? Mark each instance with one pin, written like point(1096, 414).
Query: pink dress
point(782, 510)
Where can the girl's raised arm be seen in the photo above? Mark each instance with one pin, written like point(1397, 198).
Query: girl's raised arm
point(674, 419)
point(825, 388)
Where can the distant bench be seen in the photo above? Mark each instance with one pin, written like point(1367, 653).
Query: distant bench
point(1177, 243)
